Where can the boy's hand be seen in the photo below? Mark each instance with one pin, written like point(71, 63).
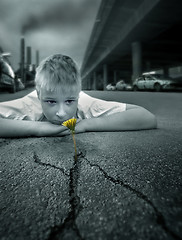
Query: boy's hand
point(49, 129)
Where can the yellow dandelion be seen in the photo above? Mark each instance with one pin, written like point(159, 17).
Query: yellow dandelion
point(71, 123)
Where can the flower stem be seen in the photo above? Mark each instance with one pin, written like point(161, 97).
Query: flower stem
point(74, 145)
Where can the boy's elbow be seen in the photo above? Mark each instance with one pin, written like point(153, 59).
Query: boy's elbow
point(143, 119)
point(153, 122)
point(150, 120)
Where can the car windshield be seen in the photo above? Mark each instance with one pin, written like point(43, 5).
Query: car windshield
point(157, 76)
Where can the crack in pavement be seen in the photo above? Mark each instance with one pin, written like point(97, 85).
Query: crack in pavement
point(37, 160)
point(58, 231)
point(159, 217)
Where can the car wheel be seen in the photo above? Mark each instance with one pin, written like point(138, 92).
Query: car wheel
point(135, 88)
point(157, 87)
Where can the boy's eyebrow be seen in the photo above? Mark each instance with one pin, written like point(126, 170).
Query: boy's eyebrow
point(47, 97)
point(53, 98)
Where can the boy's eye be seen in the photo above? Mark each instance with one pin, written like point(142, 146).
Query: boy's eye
point(69, 102)
point(51, 102)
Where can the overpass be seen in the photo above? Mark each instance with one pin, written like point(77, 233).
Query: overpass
point(131, 37)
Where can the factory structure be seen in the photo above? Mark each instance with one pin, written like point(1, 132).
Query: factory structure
point(26, 70)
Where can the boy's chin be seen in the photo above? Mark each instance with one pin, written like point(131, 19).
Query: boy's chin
point(58, 122)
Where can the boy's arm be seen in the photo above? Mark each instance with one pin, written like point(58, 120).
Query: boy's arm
point(134, 118)
point(22, 128)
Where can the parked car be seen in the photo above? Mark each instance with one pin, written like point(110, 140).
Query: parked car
point(111, 87)
point(19, 85)
point(122, 86)
point(8, 80)
point(7, 76)
point(153, 81)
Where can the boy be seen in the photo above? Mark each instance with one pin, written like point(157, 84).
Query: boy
point(58, 97)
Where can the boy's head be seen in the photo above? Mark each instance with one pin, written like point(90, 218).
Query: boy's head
point(58, 84)
point(57, 71)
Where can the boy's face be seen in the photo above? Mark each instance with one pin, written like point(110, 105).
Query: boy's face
point(59, 105)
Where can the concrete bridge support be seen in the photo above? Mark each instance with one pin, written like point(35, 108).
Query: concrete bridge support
point(105, 76)
point(136, 60)
point(88, 87)
point(115, 76)
point(94, 81)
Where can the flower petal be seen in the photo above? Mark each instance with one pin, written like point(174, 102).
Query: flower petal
point(70, 124)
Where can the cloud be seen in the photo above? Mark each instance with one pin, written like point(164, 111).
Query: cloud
point(48, 26)
point(66, 41)
point(63, 13)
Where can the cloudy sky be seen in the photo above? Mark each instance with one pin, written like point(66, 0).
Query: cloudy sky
point(49, 26)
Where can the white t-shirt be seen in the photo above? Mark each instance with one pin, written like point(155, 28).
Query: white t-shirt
point(29, 107)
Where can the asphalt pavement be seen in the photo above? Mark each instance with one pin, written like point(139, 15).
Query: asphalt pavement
point(124, 185)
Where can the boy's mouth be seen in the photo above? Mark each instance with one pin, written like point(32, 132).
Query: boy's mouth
point(57, 122)
point(60, 121)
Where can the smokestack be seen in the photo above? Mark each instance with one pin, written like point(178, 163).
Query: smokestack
point(22, 59)
point(29, 56)
point(37, 58)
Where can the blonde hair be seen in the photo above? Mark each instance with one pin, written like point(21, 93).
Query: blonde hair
point(57, 70)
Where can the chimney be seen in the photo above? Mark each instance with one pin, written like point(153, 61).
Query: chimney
point(22, 59)
point(29, 56)
point(37, 58)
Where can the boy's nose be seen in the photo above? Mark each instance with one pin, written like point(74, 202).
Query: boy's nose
point(61, 112)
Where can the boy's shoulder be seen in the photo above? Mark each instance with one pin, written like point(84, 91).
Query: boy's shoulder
point(32, 94)
point(89, 107)
point(27, 107)
point(85, 99)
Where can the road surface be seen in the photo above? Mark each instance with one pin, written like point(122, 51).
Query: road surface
point(125, 185)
